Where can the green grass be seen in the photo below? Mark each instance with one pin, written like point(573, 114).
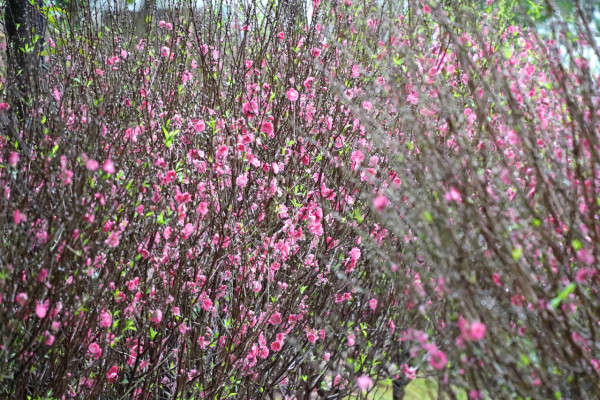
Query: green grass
point(417, 389)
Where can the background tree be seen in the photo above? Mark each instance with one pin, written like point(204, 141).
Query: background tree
point(25, 27)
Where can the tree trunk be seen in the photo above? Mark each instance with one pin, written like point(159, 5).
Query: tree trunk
point(294, 11)
point(398, 386)
point(24, 37)
point(143, 23)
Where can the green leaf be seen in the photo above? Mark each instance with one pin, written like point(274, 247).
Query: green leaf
point(129, 326)
point(358, 215)
point(563, 294)
point(517, 253)
point(428, 216)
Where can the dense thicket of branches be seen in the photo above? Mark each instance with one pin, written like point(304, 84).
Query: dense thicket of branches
point(236, 201)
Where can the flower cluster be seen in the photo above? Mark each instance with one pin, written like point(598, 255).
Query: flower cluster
point(299, 206)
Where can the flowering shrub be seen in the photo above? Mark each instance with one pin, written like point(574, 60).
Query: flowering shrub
point(236, 204)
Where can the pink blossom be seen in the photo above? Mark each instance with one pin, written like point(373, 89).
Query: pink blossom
point(412, 98)
point(222, 151)
point(373, 304)
point(170, 176)
point(453, 195)
point(156, 316)
point(311, 336)
point(187, 230)
point(336, 380)
point(315, 52)
point(250, 108)
point(199, 126)
point(181, 198)
point(426, 9)
point(357, 156)
point(105, 320)
point(21, 298)
point(92, 165)
point(109, 166)
point(183, 328)
point(207, 304)
point(351, 339)
point(55, 325)
point(43, 275)
point(165, 51)
point(112, 374)
point(364, 382)
point(291, 94)
point(66, 176)
point(281, 35)
point(585, 274)
point(276, 345)
point(95, 350)
point(354, 253)
point(267, 128)
point(48, 338)
point(437, 359)
point(41, 309)
point(13, 158)
point(275, 319)
point(585, 256)
point(380, 202)
point(477, 330)
point(19, 217)
point(241, 180)
point(4, 107)
point(476, 394)
point(202, 208)
point(113, 239)
point(496, 279)
point(263, 352)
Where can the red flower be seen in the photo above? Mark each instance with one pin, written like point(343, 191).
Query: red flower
point(113, 373)
point(267, 129)
point(19, 217)
point(380, 202)
point(95, 350)
point(275, 319)
point(292, 94)
point(276, 345)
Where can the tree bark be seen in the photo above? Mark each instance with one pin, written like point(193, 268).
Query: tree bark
point(398, 387)
point(24, 37)
point(294, 11)
point(142, 24)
